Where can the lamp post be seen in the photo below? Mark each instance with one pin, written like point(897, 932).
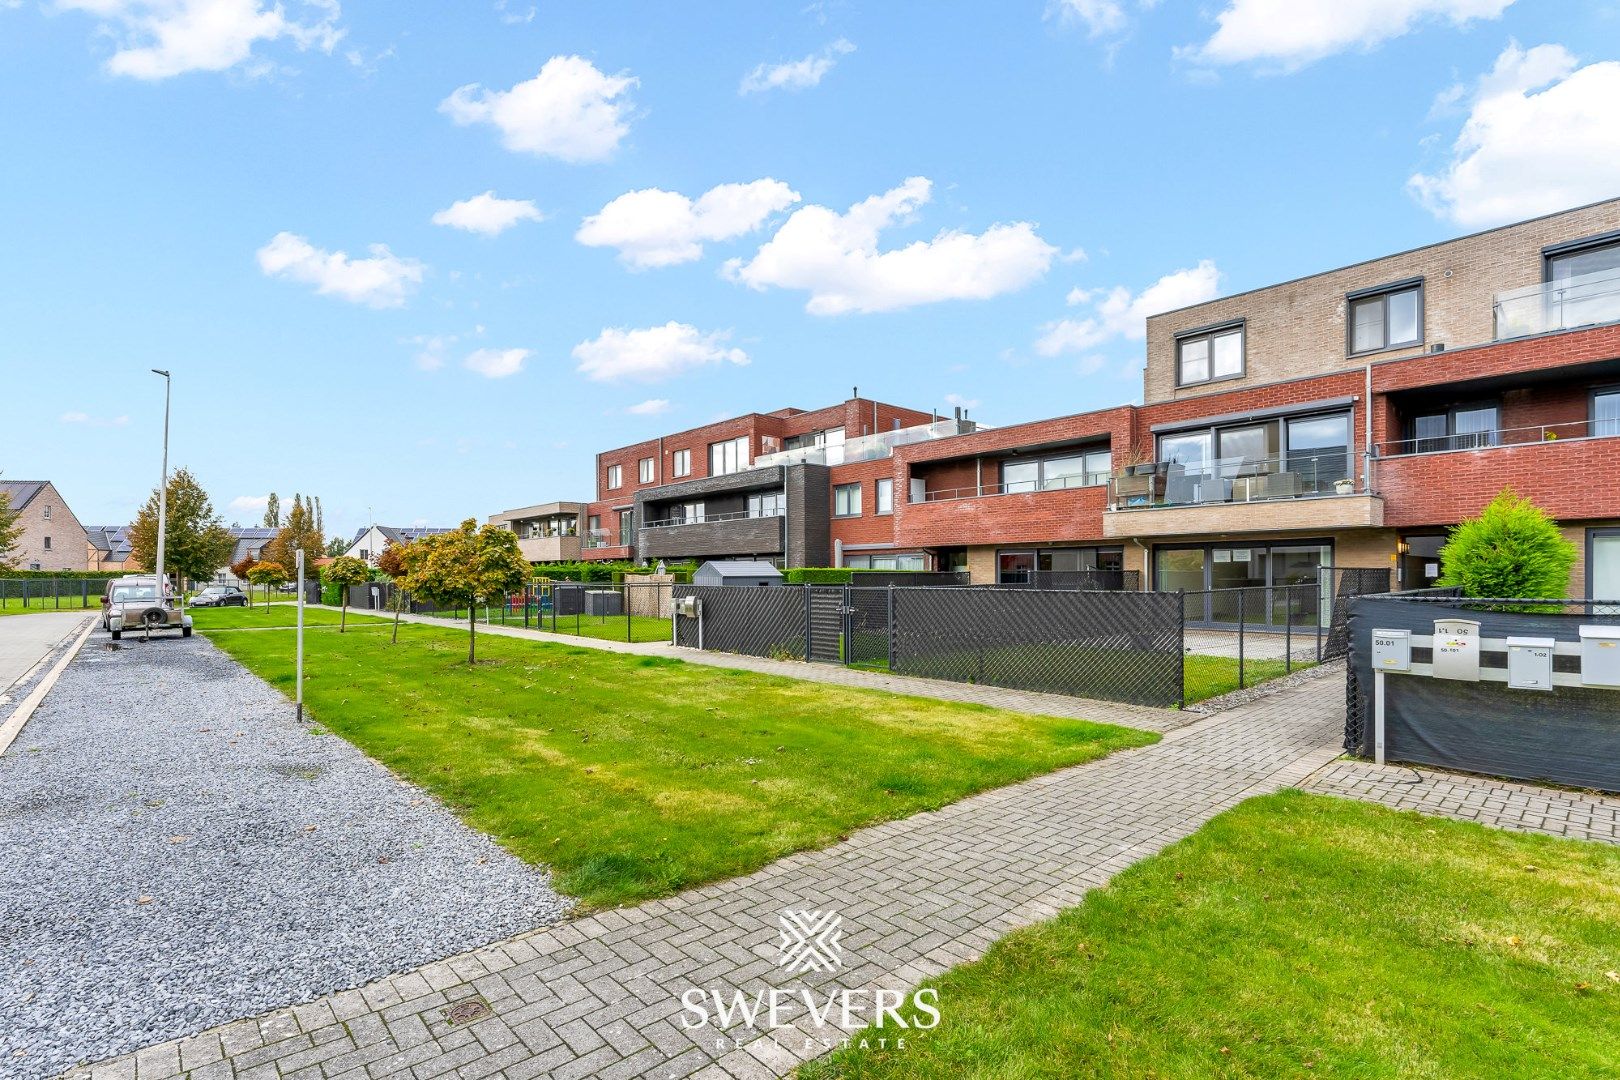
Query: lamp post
point(163, 485)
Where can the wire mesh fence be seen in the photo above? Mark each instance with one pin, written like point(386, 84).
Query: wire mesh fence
point(51, 594)
point(771, 621)
point(631, 611)
point(1086, 580)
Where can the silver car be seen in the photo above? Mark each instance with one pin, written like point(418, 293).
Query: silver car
point(135, 605)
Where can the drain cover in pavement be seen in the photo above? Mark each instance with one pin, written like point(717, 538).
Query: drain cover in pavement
point(467, 1011)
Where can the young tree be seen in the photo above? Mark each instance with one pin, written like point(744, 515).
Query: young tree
point(10, 531)
point(1512, 549)
point(391, 563)
point(196, 542)
point(299, 531)
point(268, 574)
point(272, 511)
point(344, 571)
point(464, 566)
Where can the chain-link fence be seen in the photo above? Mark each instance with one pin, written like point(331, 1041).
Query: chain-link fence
point(51, 594)
point(1086, 580)
point(768, 621)
point(631, 611)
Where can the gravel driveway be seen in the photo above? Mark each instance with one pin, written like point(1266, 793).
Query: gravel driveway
point(168, 867)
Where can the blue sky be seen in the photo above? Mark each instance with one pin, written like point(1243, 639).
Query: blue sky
point(246, 194)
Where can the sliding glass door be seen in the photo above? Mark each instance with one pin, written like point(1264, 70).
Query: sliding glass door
point(1248, 583)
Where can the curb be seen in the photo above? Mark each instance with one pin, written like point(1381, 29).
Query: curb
point(14, 725)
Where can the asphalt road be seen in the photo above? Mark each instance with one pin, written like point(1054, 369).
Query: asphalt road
point(25, 639)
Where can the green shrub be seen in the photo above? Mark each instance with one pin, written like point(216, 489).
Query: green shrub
point(818, 575)
point(1511, 550)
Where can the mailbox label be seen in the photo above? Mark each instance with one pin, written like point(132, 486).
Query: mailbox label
point(1456, 649)
point(1391, 650)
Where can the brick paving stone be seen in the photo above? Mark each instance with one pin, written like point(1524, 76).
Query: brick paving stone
point(602, 995)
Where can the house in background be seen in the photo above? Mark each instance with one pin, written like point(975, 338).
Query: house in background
point(369, 542)
point(52, 538)
point(109, 547)
point(250, 544)
point(547, 532)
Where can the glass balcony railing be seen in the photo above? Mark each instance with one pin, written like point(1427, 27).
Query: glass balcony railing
point(1017, 487)
point(597, 538)
point(1603, 427)
point(865, 447)
point(1293, 475)
point(1585, 300)
point(707, 519)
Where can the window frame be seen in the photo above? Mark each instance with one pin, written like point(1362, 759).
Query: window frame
point(1383, 293)
point(646, 470)
point(879, 486)
point(844, 490)
point(1591, 410)
point(1208, 334)
point(1593, 534)
point(681, 465)
point(740, 444)
point(47, 512)
point(615, 477)
point(1552, 252)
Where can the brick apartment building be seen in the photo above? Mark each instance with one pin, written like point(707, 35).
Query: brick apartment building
point(1346, 419)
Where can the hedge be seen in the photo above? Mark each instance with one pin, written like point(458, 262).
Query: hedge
point(818, 575)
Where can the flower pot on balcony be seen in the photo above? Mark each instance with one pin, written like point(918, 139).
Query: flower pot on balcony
point(1344, 487)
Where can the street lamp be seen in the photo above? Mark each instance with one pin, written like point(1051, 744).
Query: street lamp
point(163, 485)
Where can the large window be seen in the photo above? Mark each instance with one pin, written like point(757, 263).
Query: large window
point(1075, 468)
point(729, 456)
point(1603, 569)
point(1584, 260)
point(1319, 450)
point(1461, 427)
point(847, 500)
point(644, 470)
point(1584, 280)
point(688, 513)
point(1387, 318)
point(910, 561)
point(1208, 355)
point(615, 477)
point(1303, 455)
point(767, 504)
point(682, 463)
point(883, 501)
point(1024, 567)
point(627, 527)
point(1606, 412)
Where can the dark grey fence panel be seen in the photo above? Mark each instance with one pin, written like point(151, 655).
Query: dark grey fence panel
point(754, 620)
point(1566, 736)
point(1115, 646)
point(1086, 580)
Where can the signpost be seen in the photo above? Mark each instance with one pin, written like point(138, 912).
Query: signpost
point(299, 663)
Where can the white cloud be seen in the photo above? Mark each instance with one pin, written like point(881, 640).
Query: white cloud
point(570, 111)
point(94, 421)
point(650, 407)
point(158, 39)
point(1102, 18)
point(496, 363)
point(657, 352)
point(1289, 34)
point(431, 349)
point(1542, 134)
point(250, 503)
point(795, 74)
point(835, 258)
point(962, 402)
point(511, 15)
point(1118, 313)
point(487, 215)
point(382, 281)
point(653, 227)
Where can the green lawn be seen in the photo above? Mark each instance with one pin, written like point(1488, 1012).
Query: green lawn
point(642, 628)
point(13, 605)
point(635, 777)
point(235, 618)
point(1211, 676)
point(1300, 935)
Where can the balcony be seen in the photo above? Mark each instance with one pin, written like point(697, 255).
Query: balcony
point(549, 548)
point(1303, 489)
point(596, 538)
point(866, 447)
point(1020, 487)
point(1585, 300)
point(712, 535)
point(1604, 427)
point(1569, 478)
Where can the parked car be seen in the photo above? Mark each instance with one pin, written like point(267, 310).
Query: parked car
point(220, 596)
point(137, 606)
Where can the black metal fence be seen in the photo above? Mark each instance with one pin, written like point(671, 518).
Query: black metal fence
point(52, 593)
point(630, 611)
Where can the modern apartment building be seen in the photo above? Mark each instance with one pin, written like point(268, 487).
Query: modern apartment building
point(1347, 418)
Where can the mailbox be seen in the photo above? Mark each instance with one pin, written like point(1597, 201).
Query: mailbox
point(1600, 656)
point(1456, 649)
point(1530, 663)
point(1392, 650)
point(688, 606)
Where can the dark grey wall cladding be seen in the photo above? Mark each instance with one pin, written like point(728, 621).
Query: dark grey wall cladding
point(743, 536)
point(683, 490)
point(1570, 735)
point(809, 515)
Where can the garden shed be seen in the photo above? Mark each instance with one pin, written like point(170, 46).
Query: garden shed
point(737, 572)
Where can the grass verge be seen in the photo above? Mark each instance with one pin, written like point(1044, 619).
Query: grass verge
point(1204, 677)
point(635, 777)
point(1300, 935)
point(274, 615)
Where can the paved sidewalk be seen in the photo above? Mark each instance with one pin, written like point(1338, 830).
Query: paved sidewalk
point(25, 640)
point(602, 996)
point(1501, 804)
point(1137, 716)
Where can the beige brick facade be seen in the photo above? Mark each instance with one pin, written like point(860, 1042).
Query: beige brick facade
point(52, 538)
point(1297, 329)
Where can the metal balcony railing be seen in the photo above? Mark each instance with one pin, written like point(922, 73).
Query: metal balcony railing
point(707, 519)
point(1017, 487)
point(1585, 300)
point(1293, 475)
point(1515, 436)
